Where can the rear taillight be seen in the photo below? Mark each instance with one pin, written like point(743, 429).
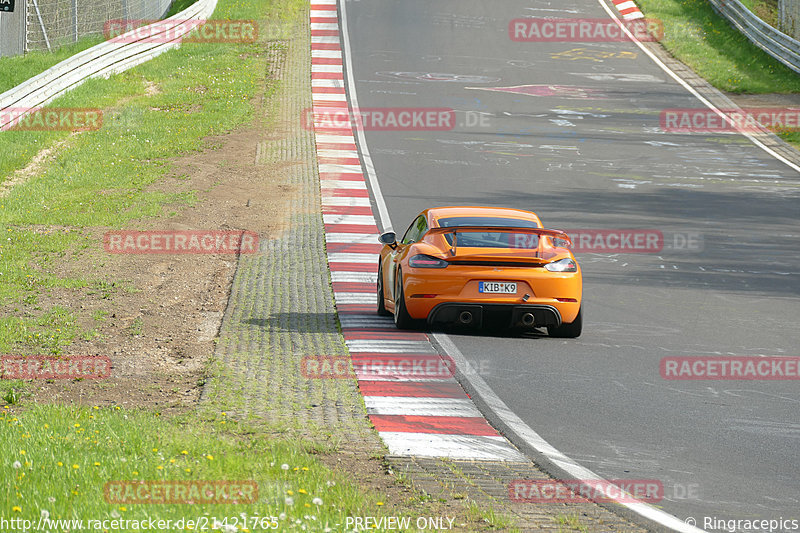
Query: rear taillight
point(564, 265)
point(426, 261)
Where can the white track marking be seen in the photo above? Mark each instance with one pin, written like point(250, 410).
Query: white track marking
point(349, 202)
point(368, 259)
point(344, 276)
point(355, 298)
point(366, 220)
point(342, 184)
point(420, 406)
point(455, 446)
point(452, 446)
point(380, 203)
point(355, 238)
point(389, 346)
point(525, 433)
point(689, 88)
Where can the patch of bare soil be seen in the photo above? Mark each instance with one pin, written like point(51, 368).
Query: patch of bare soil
point(156, 316)
point(32, 168)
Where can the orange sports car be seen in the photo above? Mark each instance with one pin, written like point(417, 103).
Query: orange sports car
point(471, 266)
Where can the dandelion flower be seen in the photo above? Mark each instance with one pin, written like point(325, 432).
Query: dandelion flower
point(289, 501)
point(317, 501)
point(16, 464)
point(284, 466)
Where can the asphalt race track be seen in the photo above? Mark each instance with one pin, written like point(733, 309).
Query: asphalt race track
point(582, 147)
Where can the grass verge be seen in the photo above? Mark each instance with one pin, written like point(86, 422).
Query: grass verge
point(59, 460)
point(152, 113)
point(766, 10)
point(696, 35)
point(17, 69)
point(14, 70)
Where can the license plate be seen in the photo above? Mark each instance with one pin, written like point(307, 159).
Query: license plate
point(497, 287)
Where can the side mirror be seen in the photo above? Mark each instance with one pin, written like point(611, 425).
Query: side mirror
point(389, 238)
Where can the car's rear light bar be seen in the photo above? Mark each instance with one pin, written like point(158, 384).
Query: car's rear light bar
point(426, 261)
point(509, 264)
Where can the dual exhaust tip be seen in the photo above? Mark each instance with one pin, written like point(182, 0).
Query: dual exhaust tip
point(466, 318)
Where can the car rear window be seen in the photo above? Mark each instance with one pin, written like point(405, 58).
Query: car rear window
point(491, 239)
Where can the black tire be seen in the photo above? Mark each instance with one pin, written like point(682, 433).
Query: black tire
point(382, 311)
point(401, 317)
point(568, 331)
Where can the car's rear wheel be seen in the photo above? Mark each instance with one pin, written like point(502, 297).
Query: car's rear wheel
point(401, 317)
point(381, 305)
point(568, 331)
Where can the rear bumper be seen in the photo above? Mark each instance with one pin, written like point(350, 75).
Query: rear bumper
point(513, 315)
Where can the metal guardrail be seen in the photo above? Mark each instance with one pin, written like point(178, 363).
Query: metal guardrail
point(105, 59)
point(777, 44)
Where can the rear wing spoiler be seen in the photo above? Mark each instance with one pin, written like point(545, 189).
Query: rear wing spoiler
point(553, 233)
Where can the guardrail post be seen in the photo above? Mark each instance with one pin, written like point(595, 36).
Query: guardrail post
point(75, 20)
point(41, 24)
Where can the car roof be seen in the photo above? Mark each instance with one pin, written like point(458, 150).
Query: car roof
point(435, 213)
